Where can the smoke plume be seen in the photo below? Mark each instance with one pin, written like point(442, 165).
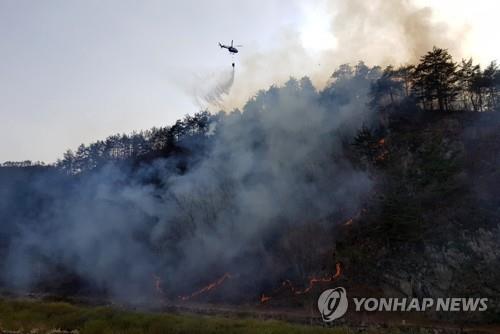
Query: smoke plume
point(388, 31)
point(275, 167)
point(378, 32)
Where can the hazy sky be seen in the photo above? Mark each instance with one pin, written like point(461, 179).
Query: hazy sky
point(73, 72)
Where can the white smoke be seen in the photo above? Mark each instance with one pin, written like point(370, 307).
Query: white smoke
point(276, 165)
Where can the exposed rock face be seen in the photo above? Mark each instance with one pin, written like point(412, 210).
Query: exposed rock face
point(433, 228)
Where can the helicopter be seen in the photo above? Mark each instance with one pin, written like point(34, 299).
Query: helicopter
point(230, 48)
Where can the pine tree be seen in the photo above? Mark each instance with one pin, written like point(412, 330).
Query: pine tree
point(435, 80)
point(467, 74)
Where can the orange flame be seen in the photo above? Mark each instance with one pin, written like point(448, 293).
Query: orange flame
point(312, 282)
point(208, 287)
point(383, 155)
point(264, 298)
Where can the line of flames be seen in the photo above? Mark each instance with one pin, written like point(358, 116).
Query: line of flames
point(208, 287)
point(263, 299)
point(312, 282)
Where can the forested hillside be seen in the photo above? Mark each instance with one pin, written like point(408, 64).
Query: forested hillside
point(392, 172)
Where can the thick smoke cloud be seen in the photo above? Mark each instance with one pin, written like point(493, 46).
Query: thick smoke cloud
point(275, 166)
point(378, 32)
point(389, 31)
point(91, 228)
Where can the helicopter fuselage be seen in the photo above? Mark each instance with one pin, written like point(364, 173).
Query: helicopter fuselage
point(229, 48)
